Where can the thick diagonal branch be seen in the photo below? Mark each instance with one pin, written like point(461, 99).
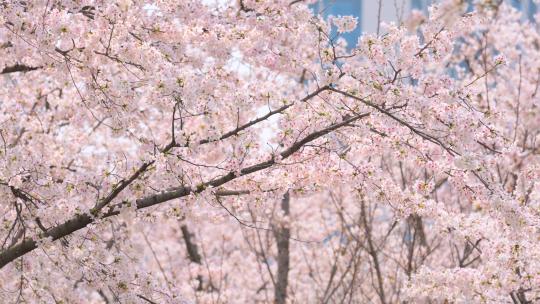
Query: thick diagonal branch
point(18, 68)
point(82, 220)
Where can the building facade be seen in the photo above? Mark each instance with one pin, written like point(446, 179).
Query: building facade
point(367, 11)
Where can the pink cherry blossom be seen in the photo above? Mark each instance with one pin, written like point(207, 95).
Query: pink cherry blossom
point(241, 152)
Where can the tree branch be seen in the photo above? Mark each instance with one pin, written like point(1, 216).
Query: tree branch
point(282, 235)
point(18, 68)
point(80, 221)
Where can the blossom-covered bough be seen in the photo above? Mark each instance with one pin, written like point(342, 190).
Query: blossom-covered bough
point(237, 152)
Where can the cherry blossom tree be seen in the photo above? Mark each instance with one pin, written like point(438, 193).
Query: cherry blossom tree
point(241, 152)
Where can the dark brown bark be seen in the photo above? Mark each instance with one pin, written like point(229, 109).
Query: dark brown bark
point(373, 252)
point(191, 247)
point(283, 234)
point(18, 68)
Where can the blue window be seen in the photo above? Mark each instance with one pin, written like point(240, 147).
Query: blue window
point(532, 10)
point(343, 8)
point(417, 4)
point(421, 5)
